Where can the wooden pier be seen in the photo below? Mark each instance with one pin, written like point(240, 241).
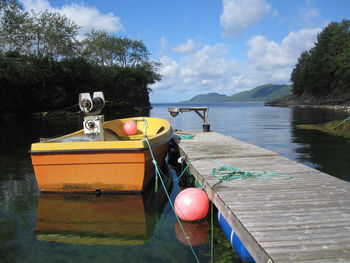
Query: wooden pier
point(304, 219)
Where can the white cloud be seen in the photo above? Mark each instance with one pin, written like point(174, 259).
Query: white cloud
point(212, 69)
point(188, 47)
point(87, 18)
point(36, 5)
point(239, 14)
point(210, 62)
point(209, 69)
point(273, 62)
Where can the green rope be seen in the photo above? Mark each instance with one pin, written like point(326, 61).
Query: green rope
point(158, 174)
point(340, 123)
point(228, 173)
point(186, 136)
point(183, 172)
point(146, 124)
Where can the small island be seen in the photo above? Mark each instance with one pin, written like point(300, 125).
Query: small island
point(321, 78)
point(44, 67)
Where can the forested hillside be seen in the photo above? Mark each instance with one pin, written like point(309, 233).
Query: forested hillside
point(43, 66)
point(261, 93)
point(324, 70)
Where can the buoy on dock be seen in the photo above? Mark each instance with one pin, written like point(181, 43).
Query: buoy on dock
point(236, 243)
point(197, 233)
point(130, 128)
point(191, 204)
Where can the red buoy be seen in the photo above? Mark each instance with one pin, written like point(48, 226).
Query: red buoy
point(130, 128)
point(191, 204)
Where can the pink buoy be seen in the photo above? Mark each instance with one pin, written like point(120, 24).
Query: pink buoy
point(130, 128)
point(191, 204)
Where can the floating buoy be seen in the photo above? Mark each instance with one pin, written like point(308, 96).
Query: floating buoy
point(197, 233)
point(130, 128)
point(236, 243)
point(191, 204)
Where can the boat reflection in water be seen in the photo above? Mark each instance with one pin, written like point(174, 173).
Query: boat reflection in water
point(106, 219)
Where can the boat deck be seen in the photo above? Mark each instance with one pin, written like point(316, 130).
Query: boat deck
point(303, 219)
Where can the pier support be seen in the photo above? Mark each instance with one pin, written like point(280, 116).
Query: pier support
point(173, 112)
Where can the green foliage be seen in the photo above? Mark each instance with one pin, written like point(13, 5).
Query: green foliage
point(43, 67)
point(106, 50)
point(53, 35)
point(325, 69)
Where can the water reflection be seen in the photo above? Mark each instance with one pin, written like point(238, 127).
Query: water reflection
point(325, 152)
point(95, 220)
point(197, 232)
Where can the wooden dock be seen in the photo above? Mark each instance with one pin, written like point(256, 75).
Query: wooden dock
point(304, 219)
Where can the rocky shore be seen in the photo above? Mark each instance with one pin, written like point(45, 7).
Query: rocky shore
point(339, 103)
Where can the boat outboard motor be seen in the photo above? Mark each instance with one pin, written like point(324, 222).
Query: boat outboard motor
point(91, 107)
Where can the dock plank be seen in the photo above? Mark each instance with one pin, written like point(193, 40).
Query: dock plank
point(304, 219)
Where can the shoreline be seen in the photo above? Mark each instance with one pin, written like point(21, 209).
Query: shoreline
point(339, 103)
point(308, 106)
point(112, 110)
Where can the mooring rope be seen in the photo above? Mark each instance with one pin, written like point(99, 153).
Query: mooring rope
point(340, 123)
point(159, 174)
point(186, 136)
point(182, 173)
point(228, 173)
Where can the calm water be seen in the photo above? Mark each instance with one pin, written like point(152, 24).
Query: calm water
point(274, 129)
point(124, 228)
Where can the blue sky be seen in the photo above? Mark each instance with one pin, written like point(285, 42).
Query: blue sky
point(207, 46)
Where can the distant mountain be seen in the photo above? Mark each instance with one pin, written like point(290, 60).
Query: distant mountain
point(261, 93)
point(209, 97)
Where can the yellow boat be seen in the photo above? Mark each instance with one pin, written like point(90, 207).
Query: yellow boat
point(116, 163)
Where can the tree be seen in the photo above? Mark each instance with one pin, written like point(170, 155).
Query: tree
point(325, 68)
point(44, 67)
point(299, 74)
point(107, 50)
point(14, 27)
point(95, 46)
point(54, 35)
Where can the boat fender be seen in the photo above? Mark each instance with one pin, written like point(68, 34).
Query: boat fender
point(236, 243)
point(181, 160)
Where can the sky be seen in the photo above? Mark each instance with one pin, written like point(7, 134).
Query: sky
point(223, 46)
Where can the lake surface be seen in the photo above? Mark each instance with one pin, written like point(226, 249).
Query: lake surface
point(130, 228)
point(274, 128)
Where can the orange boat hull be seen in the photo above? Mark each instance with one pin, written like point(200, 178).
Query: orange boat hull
point(105, 171)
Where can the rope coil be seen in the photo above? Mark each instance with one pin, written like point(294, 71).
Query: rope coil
point(186, 136)
point(228, 173)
